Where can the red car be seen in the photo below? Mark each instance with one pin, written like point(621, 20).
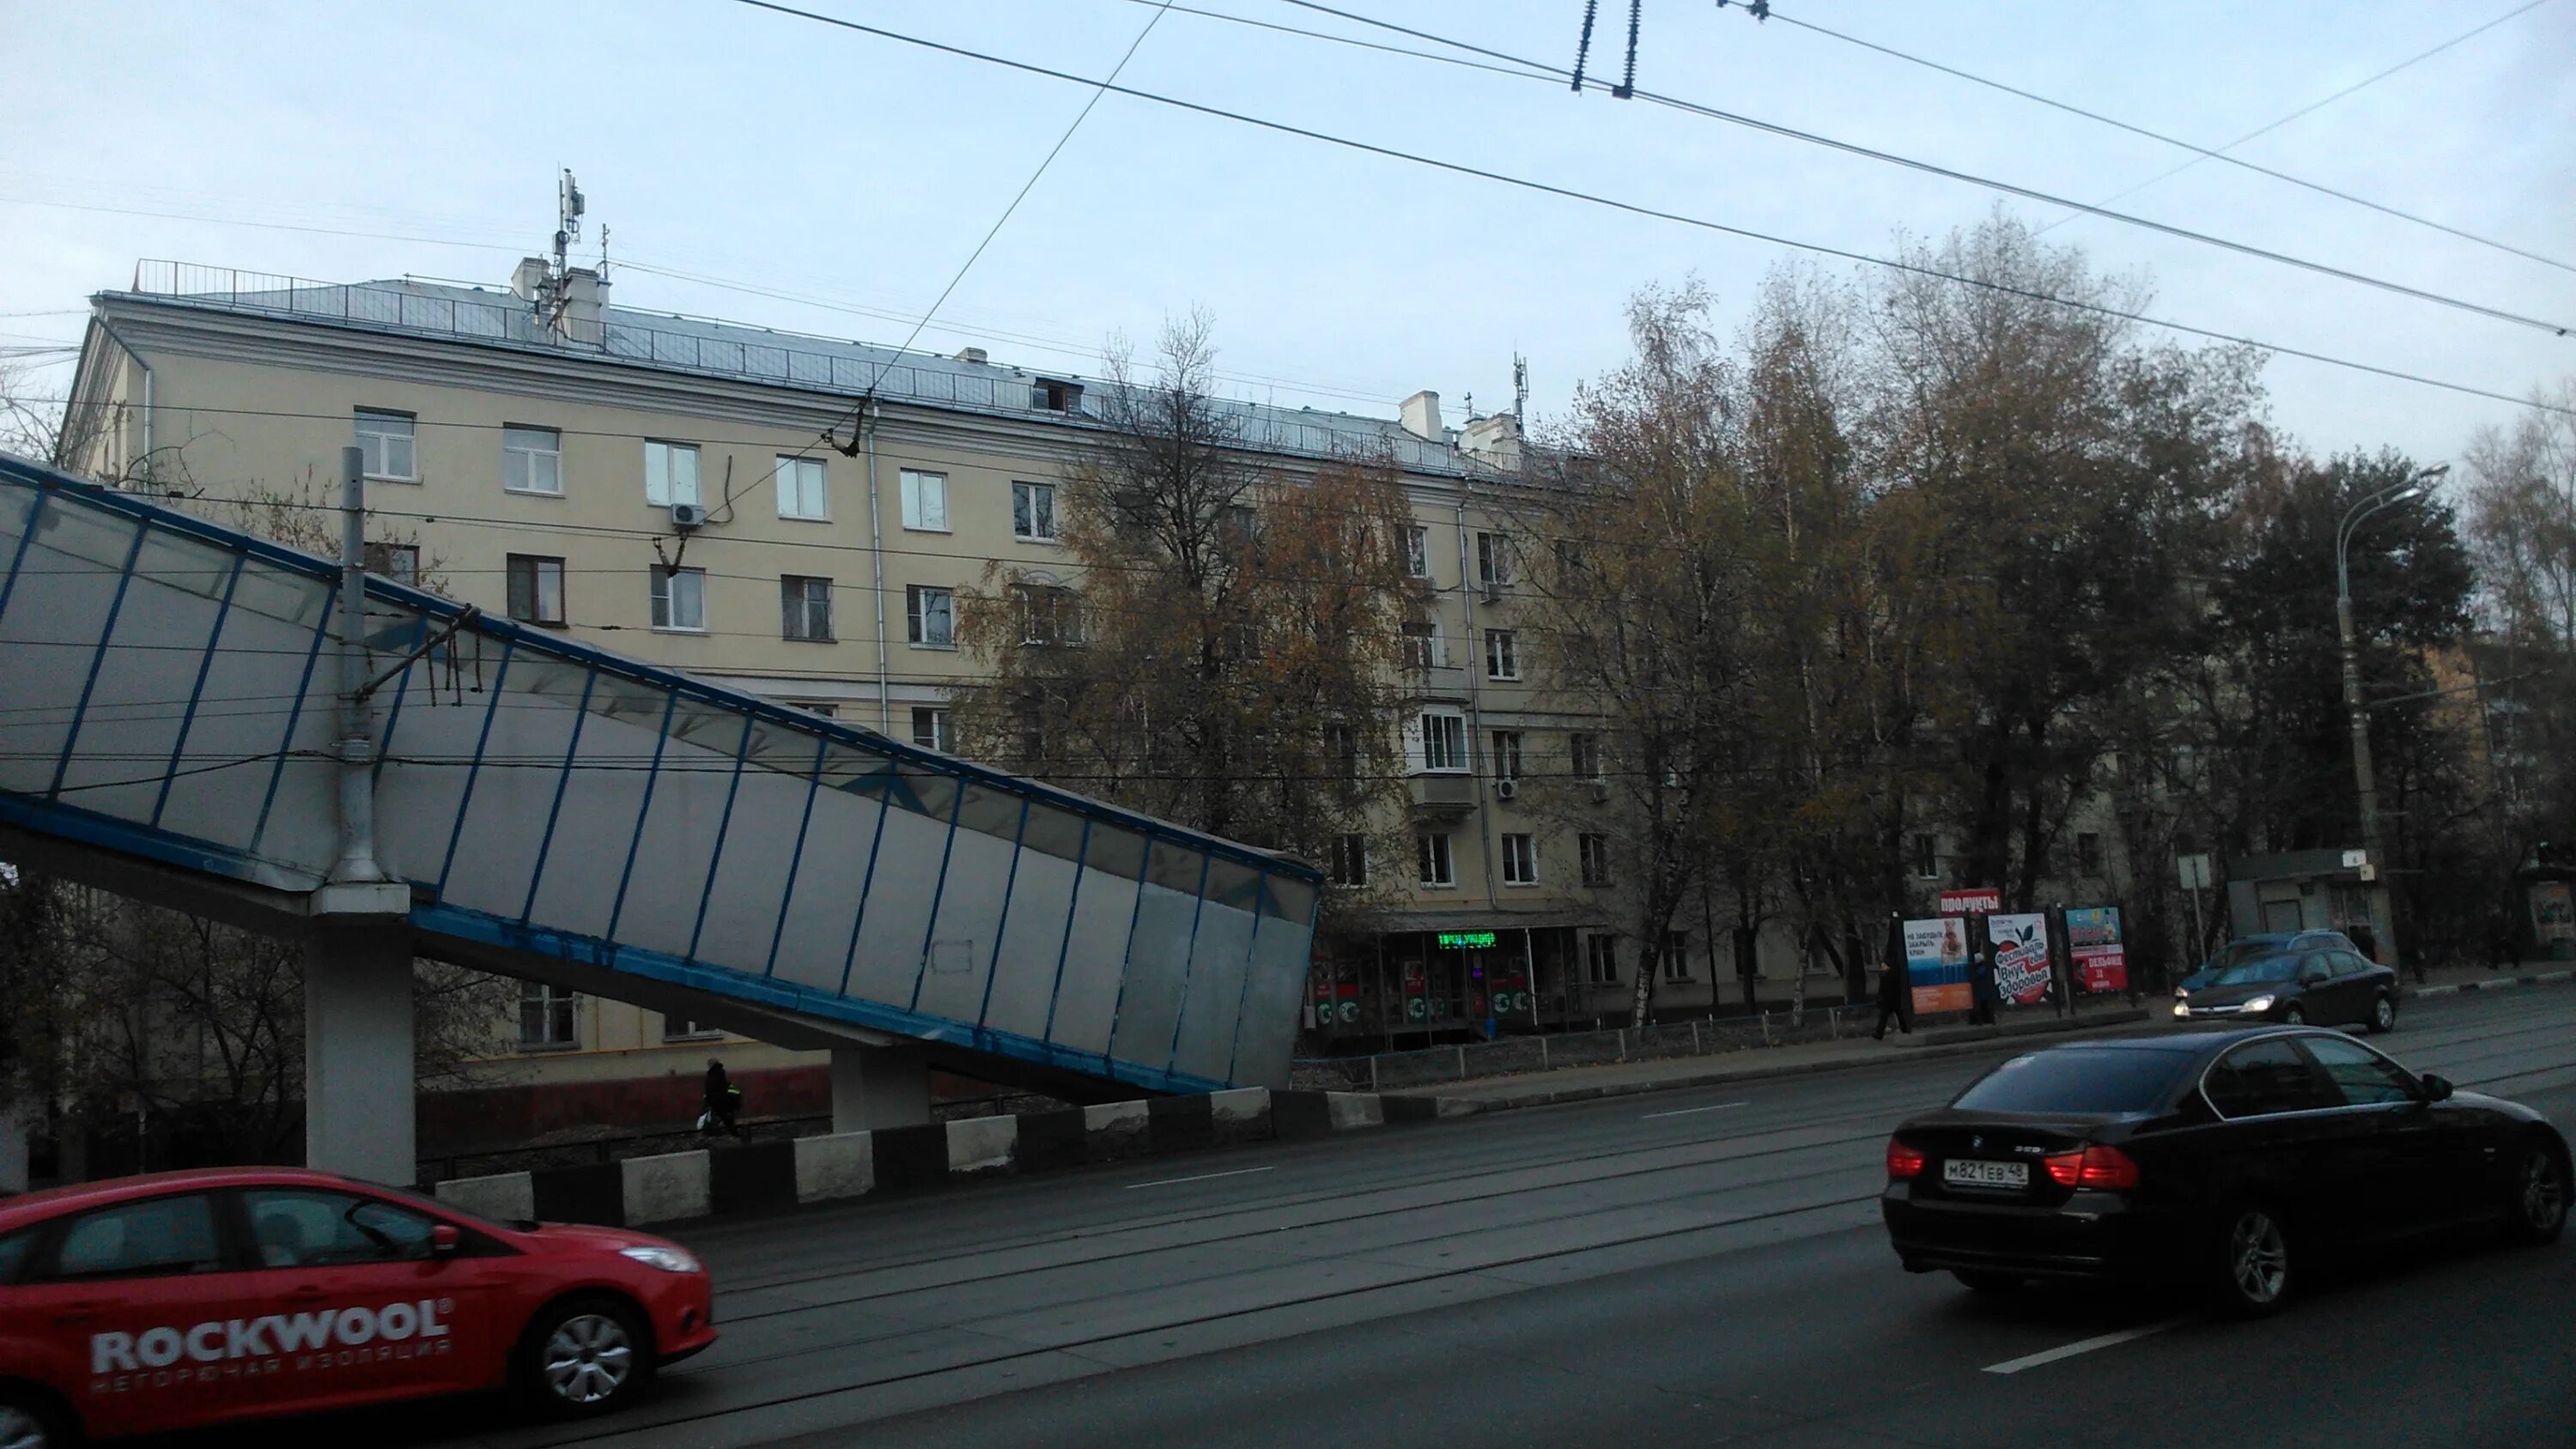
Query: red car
point(191, 1298)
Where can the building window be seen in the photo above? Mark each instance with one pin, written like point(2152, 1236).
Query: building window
point(680, 1028)
point(1927, 858)
point(930, 729)
point(386, 441)
point(1431, 859)
point(1444, 741)
point(801, 491)
point(1502, 655)
point(1342, 754)
point(1507, 754)
point(1417, 551)
point(536, 589)
point(805, 608)
point(1350, 860)
point(532, 460)
point(1676, 956)
point(680, 599)
point(1422, 645)
point(925, 501)
point(827, 711)
point(1594, 850)
point(930, 617)
point(1585, 753)
point(2088, 854)
point(1049, 614)
point(1493, 560)
point(1033, 512)
point(399, 562)
point(1601, 960)
point(670, 474)
point(1520, 860)
point(1054, 395)
point(546, 1015)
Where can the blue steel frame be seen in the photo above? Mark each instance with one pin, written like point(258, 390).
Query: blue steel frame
point(652, 776)
point(440, 918)
point(98, 658)
point(563, 782)
point(295, 715)
point(796, 861)
point(196, 691)
point(1002, 921)
point(724, 827)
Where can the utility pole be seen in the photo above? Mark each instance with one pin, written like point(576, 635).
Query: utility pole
point(357, 862)
point(2374, 858)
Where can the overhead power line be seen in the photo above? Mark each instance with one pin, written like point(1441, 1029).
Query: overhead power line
point(1928, 168)
point(1632, 208)
point(2205, 153)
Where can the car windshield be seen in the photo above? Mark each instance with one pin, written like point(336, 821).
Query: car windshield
point(2076, 1079)
point(2267, 970)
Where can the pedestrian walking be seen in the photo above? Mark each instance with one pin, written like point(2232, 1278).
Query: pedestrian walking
point(1893, 992)
point(1982, 994)
point(723, 1102)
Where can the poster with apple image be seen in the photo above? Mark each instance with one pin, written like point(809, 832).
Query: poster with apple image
point(1936, 963)
point(2021, 956)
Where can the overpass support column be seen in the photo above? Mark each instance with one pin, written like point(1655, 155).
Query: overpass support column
point(358, 1110)
point(876, 1087)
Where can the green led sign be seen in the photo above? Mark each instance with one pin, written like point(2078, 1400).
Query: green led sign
point(1465, 940)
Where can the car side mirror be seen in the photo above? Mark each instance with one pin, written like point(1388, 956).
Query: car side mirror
point(2436, 1089)
point(444, 1240)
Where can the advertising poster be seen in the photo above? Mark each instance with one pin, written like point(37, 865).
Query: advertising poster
point(1936, 962)
point(2021, 957)
point(1976, 900)
point(2093, 942)
point(2552, 920)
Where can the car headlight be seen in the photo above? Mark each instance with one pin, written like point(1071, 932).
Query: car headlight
point(2181, 1007)
point(669, 1260)
point(2259, 1003)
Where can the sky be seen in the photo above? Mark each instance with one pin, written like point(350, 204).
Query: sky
point(809, 178)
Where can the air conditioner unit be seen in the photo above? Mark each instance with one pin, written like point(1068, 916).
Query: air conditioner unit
point(688, 515)
point(1507, 789)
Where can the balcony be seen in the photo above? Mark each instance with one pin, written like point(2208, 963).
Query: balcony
point(1443, 794)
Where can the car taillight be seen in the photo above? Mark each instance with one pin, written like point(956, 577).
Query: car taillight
point(2093, 1167)
point(1903, 1161)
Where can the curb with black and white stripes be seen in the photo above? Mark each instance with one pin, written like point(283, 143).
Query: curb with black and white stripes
point(765, 1176)
point(2495, 983)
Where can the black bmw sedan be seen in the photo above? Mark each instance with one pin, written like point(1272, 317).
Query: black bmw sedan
point(2228, 1160)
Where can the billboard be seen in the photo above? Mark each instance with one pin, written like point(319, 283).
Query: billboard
point(2093, 943)
point(1936, 963)
point(2021, 956)
point(1975, 900)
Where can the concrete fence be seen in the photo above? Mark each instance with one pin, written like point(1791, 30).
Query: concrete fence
point(767, 1176)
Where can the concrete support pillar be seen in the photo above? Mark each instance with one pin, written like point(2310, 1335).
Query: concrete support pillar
point(358, 1109)
point(876, 1087)
point(18, 1114)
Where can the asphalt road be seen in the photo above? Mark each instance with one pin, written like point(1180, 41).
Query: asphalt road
point(1695, 1268)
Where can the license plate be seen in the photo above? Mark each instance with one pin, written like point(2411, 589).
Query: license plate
point(1960, 1172)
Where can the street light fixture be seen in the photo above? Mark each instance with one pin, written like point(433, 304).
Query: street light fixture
point(2353, 518)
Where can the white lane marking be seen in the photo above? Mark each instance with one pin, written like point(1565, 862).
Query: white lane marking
point(1202, 1177)
point(2087, 1345)
point(1686, 1111)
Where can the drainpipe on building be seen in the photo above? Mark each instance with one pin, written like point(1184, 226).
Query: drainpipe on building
point(876, 565)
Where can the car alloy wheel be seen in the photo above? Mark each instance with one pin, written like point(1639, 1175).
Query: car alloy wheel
point(21, 1427)
point(588, 1359)
point(2383, 1015)
point(2539, 1195)
point(2257, 1263)
point(2294, 1016)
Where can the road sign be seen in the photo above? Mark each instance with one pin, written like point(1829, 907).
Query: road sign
point(2194, 870)
point(2356, 859)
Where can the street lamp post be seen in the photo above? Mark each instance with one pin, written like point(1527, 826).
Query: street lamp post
point(2358, 714)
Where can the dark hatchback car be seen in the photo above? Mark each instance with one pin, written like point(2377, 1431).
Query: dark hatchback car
point(2228, 1161)
point(2246, 948)
point(2326, 987)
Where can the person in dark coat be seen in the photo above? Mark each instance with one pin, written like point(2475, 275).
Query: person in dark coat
point(1982, 993)
point(723, 1100)
point(1893, 994)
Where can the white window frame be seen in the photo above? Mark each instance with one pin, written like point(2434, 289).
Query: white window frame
point(1578, 746)
point(1423, 650)
point(1435, 865)
point(804, 604)
point(536, 589)
point(531, 460)
point(925, 501)
point(670, 473)
point(1601, 959)
point(1417, 551)
point(1493, 560)
point(1507, 747)
point(667, 599)
point(1520, 858)
point(1451, 730)
point(916, 617)
point(377, 444)
point(1592, 850)
point(1350, 860)
point(1028, 502)
point(1675, 962)
point(399, 562)
point(1502, 654)
point(804, 489)
point(1927, 857)
point(931, 720)
point(554, 1006)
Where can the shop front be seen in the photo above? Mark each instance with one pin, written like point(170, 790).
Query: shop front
point(1445, 980)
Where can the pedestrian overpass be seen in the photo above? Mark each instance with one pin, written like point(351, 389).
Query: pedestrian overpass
point(171, 729)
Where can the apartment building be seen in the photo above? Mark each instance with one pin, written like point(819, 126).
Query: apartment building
point(650, 483)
